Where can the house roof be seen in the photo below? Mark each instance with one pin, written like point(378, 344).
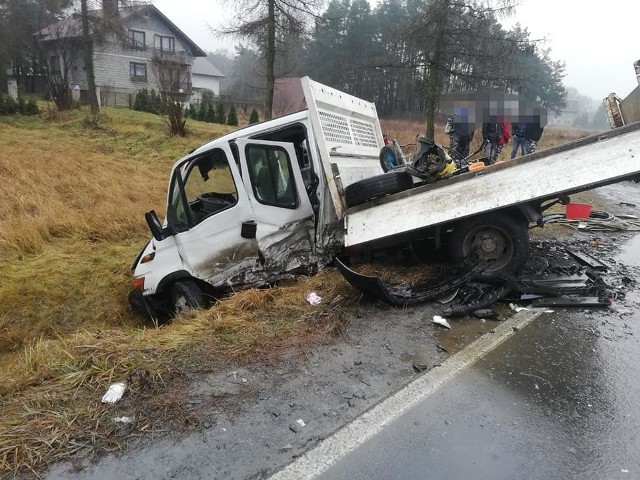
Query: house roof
point(202, 66)
point(71, 26)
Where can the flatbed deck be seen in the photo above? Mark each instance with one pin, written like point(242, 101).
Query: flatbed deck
point(584, 164)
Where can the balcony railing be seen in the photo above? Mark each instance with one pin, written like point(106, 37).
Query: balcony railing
point(180, 57)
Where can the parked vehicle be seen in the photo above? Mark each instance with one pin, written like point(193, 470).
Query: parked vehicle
point(286, 196)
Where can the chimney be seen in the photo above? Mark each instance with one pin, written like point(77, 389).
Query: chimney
point(637, 67)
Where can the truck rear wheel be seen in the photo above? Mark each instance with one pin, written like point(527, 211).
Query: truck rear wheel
point(500, 242)
point(375, 187)
point(186, 296)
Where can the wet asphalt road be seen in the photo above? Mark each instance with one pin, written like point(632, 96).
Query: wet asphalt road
point(558, 400)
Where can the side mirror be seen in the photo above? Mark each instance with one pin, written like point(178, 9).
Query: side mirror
point(155, 226)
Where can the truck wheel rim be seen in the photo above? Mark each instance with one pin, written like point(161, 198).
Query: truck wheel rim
point(491, 245)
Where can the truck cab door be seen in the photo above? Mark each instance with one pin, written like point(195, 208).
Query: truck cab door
point(206, 209)
point(282, 211)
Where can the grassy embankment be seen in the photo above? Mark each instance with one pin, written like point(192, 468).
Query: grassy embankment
point(71, 222)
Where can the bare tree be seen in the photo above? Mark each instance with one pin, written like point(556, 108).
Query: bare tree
point(270, 24)
point(172, 79)
point(59, 48)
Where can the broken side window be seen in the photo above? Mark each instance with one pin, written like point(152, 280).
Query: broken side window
point(271, 176)
point(209, 185)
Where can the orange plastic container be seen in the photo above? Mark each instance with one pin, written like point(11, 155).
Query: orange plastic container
point(474, 167)
point(574, 211)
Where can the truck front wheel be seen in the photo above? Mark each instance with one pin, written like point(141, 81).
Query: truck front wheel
point(500, 242)
point(186, 296)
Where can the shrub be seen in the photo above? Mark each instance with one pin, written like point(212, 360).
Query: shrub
point(210, 116)
point(32, 107)
point(232, 118)
point(207, 96)
point(202, 112)
point(193, 111)
point(254, 117)
point(11, 105)
point(221, 117)
point(141, 103)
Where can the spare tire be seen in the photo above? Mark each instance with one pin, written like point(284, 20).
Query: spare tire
point(375, 187)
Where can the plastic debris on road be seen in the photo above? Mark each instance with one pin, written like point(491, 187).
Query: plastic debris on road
point(114, 393)
point(313, 298)
point(441, 321)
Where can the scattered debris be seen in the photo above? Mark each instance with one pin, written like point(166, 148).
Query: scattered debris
point(313, 298)
point(557, 274)
point(123, 419)
point(589, 260)
point(570, 302)
point(441, 321)
point(485, 313)
point(627, 204)
point(448, 298)
point(114, 392)
point(296, 426)
point(348, 394)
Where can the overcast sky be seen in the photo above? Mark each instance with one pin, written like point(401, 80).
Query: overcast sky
point(599, 41)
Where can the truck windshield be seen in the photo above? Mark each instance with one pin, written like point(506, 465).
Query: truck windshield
point(208, 188)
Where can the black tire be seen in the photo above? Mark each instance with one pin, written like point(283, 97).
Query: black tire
point(186, 296)
point(499, 241)
point(375, 187)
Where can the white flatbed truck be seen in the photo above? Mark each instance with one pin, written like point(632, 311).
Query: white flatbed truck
point(272, 200)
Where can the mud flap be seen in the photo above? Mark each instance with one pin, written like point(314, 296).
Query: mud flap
point(375, 287)
point(368, 285)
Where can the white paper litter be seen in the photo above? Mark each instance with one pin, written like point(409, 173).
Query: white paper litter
point(300, 422)
point(441, 321)
point(313, 298)
point(114, 393)
point(123, 419)
point(516, 308)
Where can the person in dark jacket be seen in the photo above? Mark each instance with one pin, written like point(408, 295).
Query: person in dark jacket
point(533, 133)
point(460, 130)
point(519, 139)
point(496, 134)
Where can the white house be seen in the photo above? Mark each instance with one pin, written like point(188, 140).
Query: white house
point(204, 75)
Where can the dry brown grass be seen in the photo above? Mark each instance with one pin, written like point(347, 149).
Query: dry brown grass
point(72, 218)
point(405, 132)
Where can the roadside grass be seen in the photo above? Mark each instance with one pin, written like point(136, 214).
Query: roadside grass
point(73, 197)
point(50, 392)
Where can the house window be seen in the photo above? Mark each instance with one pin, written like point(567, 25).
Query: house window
point(138, 71)
point(137, 39)
point(165, 44)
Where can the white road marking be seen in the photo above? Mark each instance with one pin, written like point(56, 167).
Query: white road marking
point(319, 459)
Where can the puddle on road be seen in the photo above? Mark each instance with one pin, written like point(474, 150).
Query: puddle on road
point(630, 254)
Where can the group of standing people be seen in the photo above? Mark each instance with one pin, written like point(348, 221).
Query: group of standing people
point(497, 133)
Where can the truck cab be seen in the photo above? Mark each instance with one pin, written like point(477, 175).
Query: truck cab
point(258, 205)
